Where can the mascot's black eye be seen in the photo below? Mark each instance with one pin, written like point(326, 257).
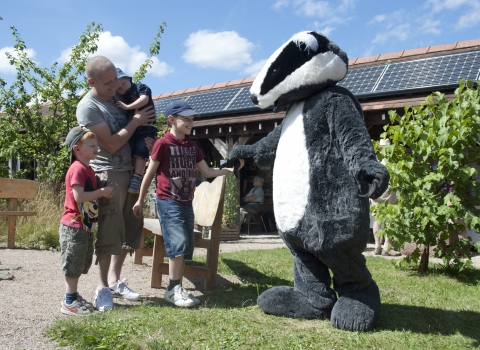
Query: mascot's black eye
point(274, 71)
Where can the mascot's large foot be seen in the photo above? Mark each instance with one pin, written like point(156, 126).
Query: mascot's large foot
point(357, 311)
point(286, 301)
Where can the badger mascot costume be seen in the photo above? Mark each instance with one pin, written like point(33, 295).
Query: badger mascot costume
point(324, 171)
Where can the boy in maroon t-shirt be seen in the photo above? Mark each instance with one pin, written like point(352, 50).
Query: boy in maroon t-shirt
point(79, 218)
point(174, 161)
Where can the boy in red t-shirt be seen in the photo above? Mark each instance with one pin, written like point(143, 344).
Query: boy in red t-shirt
point(174, 161)
point(80, 217)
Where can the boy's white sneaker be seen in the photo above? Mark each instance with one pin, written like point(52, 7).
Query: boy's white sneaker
point(121, 290)
point(189, 295)
point(179, 297)
point(103, 300)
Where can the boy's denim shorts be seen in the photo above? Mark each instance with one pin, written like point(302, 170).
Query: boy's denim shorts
point(176, 221)
point(76, 246)
point(137, 141)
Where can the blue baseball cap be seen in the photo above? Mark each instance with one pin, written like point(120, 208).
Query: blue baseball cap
point(120, 74)
point(179, 107)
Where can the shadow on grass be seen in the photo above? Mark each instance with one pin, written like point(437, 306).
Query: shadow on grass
point(249, 275)
point(417, 319)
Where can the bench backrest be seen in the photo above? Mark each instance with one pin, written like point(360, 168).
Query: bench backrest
point(207, 199)
point(15, 188)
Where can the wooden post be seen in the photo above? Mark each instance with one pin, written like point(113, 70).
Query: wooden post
point(12, 221)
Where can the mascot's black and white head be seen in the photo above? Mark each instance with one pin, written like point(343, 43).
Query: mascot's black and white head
point(306, 64)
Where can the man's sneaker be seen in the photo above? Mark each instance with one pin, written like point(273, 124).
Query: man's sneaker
point(390, 252)
point(121, 290)
point(179, 297)
point(189, 295)
point(103, 299)
point(77, 308)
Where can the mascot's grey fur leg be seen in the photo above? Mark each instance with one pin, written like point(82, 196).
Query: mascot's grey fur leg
point(311, 298)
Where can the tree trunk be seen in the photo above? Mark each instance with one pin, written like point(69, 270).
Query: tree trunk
point(423, 267)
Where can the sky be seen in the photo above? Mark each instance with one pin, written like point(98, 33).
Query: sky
point(214, 41)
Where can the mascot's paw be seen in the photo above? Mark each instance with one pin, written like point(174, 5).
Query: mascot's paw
point(286, 301)
point(357, 311)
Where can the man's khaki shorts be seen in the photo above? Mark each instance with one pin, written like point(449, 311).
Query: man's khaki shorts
point(118, 228)
point(76, 246)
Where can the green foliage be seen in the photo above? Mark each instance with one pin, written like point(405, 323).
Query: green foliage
point(440, 132)
point(230, 205)
point(38, 109)
point(432, 310)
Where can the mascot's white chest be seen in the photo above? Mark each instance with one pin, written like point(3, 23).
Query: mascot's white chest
point(291, 172)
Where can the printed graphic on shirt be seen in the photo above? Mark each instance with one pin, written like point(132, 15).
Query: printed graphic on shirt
point(88, 210)
point(182, 172)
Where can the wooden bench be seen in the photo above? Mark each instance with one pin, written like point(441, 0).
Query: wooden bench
point(208, 210)
point(13, 190)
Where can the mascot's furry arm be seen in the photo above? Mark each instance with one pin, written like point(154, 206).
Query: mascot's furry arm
point(343, 113)
point(262, 152)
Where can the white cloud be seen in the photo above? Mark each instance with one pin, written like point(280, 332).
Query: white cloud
point(330, 12)
point(377, 19)
point(280, 4)
point(471, 18)
point(123, 56)
point(399, 32)
point(430, 26)
point(222, 50)
point(5, 66)
point(254, 69)
point(440, 5)
point(325, 30)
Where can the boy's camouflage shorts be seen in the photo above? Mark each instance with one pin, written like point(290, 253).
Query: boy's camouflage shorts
point(77, 251)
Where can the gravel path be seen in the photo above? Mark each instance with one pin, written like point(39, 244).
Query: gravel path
point(30, 302)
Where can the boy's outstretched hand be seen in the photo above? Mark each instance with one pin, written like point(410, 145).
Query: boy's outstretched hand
point(137, 209)
point(107, 191)
point(236, 163)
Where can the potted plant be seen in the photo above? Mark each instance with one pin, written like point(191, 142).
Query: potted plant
point(230, 227)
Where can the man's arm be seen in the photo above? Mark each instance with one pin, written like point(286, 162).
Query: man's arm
point(113, 142)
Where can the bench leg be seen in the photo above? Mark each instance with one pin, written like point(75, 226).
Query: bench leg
point(12, 222)
point(138, 260)
point(159, 255)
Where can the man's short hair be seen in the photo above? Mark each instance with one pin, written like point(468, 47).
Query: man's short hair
point(96, 65)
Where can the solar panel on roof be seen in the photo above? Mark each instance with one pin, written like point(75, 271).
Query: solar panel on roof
point(362, 80)
point(430, 72)
point(242, 100)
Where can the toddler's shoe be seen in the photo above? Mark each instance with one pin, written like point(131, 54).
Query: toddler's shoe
point(135, 184)
point(76, 308)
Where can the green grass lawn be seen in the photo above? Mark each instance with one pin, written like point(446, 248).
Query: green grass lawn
point(431, 311)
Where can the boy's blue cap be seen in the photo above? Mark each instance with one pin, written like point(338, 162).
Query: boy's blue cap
point(120, 74)
point(179, 107)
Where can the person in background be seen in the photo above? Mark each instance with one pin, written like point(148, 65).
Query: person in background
point(389, 196)
point(253, 200)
